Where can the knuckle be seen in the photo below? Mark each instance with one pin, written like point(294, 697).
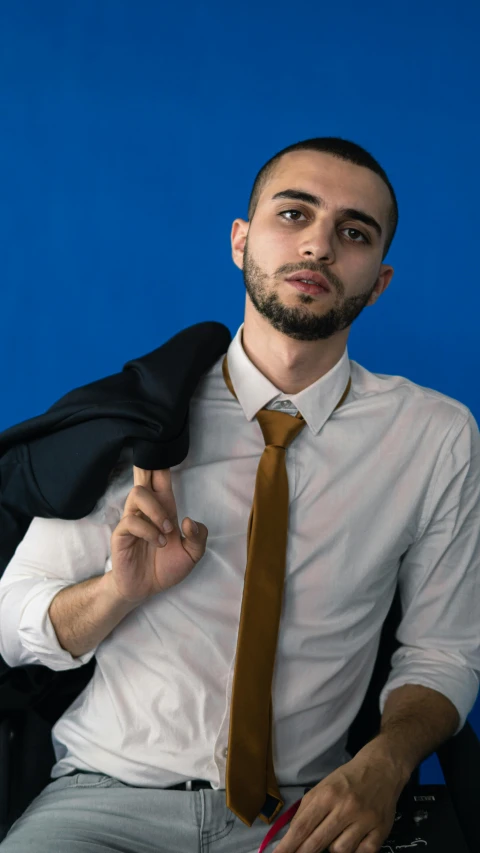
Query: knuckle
point(328, 794)
point(141, 496)
point(352, 802)
point(340, 847)
point(131, 514)
point(298, 829)
point(369, 846)
point(372, 816)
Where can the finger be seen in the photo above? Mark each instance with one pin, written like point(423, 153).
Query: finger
point(194, 541)
point(319, 834)
point(293, 840)
point(307, 818)
point(372, 841)
point(142, 477)
point(143, 503)
point(141, 528)
point(163, 490)
point(159, 480)
point(162, 480)
point(348, 839)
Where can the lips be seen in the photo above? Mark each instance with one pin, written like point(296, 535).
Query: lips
point(311, 276)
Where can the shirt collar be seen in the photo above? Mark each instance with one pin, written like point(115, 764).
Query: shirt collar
point(254, 391)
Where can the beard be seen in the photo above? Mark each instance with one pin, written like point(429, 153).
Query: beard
point(298, 322)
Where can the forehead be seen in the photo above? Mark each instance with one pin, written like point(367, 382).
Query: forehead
point(339, 182)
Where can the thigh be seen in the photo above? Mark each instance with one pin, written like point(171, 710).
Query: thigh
point(224, 832)
point(96, 813)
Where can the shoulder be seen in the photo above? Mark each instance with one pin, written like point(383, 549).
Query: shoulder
point(419, 406)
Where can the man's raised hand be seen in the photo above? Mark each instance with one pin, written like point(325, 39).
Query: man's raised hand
point(141, 565)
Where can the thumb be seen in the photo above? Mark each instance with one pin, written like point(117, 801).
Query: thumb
point(195, 540)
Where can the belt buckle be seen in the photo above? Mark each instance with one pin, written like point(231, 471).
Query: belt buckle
point(188, 785)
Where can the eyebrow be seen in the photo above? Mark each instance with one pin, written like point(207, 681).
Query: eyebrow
point(350, 212)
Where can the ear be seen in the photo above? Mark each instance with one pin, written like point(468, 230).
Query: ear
point(384, 278)
point(238, 239)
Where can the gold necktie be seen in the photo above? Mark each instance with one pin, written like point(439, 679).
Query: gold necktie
point(251, 787)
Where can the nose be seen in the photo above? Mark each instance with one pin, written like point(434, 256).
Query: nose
point(317, 244)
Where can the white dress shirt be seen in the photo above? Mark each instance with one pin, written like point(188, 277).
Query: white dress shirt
point(385, 489)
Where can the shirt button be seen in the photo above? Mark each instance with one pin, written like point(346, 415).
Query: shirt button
point(225, 752)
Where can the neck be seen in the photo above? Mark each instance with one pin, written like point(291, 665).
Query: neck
point(290, 364)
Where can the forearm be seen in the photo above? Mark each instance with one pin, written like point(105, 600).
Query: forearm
point(415, 721)
point(85, 613)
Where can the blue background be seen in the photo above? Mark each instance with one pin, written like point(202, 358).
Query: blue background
point(130, 136)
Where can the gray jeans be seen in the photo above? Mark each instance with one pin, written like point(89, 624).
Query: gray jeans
point(94, 813)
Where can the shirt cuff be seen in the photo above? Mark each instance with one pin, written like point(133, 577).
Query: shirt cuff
point(37, 634)
point(457, 683)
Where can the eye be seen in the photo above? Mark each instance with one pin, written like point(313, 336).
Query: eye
point(365, 239)
point(355, 230)
point(291, 211)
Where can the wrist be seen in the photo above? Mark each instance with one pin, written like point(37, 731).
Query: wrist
point(383, 749)
point(113, 598)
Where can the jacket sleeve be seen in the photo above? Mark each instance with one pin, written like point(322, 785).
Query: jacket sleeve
point(439, 582)
point(54, 554)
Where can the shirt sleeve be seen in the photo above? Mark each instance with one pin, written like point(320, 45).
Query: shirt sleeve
point(54, 554)
point(439, 581)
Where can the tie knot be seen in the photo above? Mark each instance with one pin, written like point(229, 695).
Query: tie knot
point(279, 429)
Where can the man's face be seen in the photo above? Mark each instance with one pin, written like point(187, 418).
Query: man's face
point(287, 235)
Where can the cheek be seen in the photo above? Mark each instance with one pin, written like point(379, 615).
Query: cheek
point(274, 249)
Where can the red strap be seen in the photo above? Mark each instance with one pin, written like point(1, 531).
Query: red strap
point(279, 824)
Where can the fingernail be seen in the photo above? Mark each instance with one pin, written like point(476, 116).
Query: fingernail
point(167, 526)
point(195, 526)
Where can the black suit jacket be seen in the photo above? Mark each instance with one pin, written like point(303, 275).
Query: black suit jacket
point(57, 465)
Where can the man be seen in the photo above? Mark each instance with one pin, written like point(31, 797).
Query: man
point(384, 487)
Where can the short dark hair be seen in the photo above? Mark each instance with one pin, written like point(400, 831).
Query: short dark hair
point(344, 150)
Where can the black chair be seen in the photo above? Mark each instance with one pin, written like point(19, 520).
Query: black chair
point(26, 752)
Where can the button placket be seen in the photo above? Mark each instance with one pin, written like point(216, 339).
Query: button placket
point(221, 750)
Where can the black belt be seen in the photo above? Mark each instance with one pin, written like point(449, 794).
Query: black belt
point(189, 785)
